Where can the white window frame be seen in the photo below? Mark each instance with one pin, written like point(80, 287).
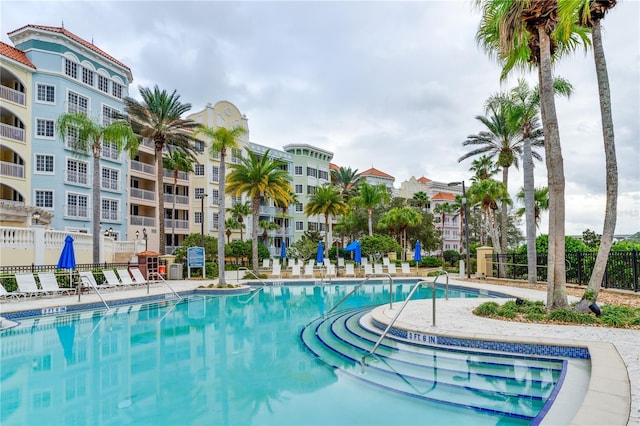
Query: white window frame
point(71, 68)
point(44, 87)
point(214, 220)
point(76, 174)
point(197, 217)
point(116, 90)
point(73, 105)
point(215, 195)
point(78, 207)
point(110, 212)
point(299, 207)
point(105, 80)
point(299, 225)
point(198, 169)
point(109, 114)
point(299, 188)
point(112, 181)
point(298, 170)
point(86, 72)
point(198, 193)
point(49, 125)
point(215, 174)
point(109, 150)
point(45, 158)
point(43, 193)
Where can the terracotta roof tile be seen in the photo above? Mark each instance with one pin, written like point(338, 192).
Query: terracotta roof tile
point(444, 196)
point(376, 172)
point(424, 180)
point(62, 30)
point(333, 167)
point(15, 54)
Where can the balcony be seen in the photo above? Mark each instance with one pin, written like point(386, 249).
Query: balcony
point(11, 169)
point(169, 174)
point(12, 95)
point(267, 211)
point(142, 221)
point(175, 223)
point(180, 199)
point(143, 167)
point(12, 132)
point(142, 194)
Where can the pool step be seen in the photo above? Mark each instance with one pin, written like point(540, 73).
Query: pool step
point(508, 385)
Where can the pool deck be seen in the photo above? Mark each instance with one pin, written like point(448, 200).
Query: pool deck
point(613, 397)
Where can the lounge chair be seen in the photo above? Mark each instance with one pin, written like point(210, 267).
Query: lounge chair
point(27, 285)
point(125, 278)
point(4, 294)
point(349, 270)
point(406, 269)
point(266, 263)
point(377, 268)
point(368, 270)
point(331, 270)
point(308, 270)
point(385, 261)
point(341, 262)
point(364, 261)
point(49, 283)
point(391, 268)
point(89, 281)
point(111, 278)
point(138, 277)
point(275, 271)
point(291, 262)
point(295, 271)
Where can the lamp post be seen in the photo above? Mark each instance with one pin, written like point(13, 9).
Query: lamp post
point(109, 232)
point(466, 223)
point(145, 237)
point(36, 217)
point(202, 218)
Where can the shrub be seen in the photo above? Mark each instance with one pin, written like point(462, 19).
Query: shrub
point(487, 309)
point(509, 310)
point(451, 257)
point(567, 315)
point(431, 262)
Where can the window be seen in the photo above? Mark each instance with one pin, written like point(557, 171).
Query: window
point(215, 194)
point(312, 226)
point(110, 209)
point(108, 115)
point(103, 84)
point(77, 205)
point(72, 141)
point(197, 217)
point(236, 200)
point(46, 93)
point(77, 172)
point(109, 150)
point(44, 163)
point(215, 173)
point(298, 170)
point(198, 192)
point(299, 226)
point(116, 89)
point(321, 227)
point(77, 103)
point(44, 199)
point(70, 68)
point(312, 172)
point(44, 128)
point(88, 76)
point(236, 156)
point(110, 179)
point(199, 146)
point(215, 154)
point(214, 218)
point(298, 189)
point(323, 174)
point(199, 169)
point(311, 189)
point(299, 207)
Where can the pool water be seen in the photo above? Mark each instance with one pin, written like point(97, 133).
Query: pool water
point(235, 360)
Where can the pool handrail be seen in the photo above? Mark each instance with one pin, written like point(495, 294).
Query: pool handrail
point(243, 268)
point(360, 285)
point(170, 288)
point(395, 317)
point(85, 279)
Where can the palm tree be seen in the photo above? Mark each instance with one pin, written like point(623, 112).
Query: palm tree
point(398, 220)
point(176, 161)
point(346, 180)
point(458, 206)
point(420, 199)
point(489, 194)
point(84, 135)
point(519, 33)
point(327, 201)
point(266, 226)
point(444, 209)
point(222, 140)
point(589, 13)
point(368, 197)
point(239, 211)
point(258, 177)
point(159, 118)
point(541, 204)
point(229, 225)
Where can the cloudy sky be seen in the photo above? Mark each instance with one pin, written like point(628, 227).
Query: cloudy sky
point(393, 85)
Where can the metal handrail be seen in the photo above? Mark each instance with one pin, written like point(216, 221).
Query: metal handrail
point(251, 272)
point(395, 317)
point(170, 288)
point(360, 285)
point(86, 280)
point(256, 291)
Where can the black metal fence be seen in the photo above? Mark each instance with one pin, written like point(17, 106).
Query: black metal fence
point(621, 272)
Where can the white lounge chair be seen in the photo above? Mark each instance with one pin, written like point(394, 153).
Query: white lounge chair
point(27, 285)
point(4, 294)
point(391, 268)
point(291, 262)
point(295, 271)
point(349, 270)
point(311, 262)
point(266, 263)
point(385, 261)
point(368, 270)
point(331, 270)
point(49, 283)
point(89, 281)
point(341, 262)
point(377, 268)
point(364, 261)
point(406, 269)
point(111, 278)
point(308, 270)
point(138, 277)
point(275, 271)
point(125, 278)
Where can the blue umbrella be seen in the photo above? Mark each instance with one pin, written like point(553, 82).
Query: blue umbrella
point(320, 256)
point(67, 257)
point(417, 254)
point(351, 246)
point(283, 250)
point(358, 254)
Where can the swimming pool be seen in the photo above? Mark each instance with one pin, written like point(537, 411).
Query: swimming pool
point(207, 360)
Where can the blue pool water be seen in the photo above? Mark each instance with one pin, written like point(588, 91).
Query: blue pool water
point(234, 360)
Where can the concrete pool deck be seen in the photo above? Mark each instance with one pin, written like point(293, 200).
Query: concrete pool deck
point(614, 389)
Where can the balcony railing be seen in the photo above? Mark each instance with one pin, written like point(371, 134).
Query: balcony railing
point(267, 210)
point(176, 223)
point(12, 95)
point(180, 199)
point(142, 220)
point(12, 132)
point(169, 174)
point(142, 194)
point(143, 167)
point(11, 169)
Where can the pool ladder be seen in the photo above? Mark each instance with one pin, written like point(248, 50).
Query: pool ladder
point(256, 291)
point(360, 285)
point(395, 317)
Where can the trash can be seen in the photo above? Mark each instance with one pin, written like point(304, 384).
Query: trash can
point(175, 271)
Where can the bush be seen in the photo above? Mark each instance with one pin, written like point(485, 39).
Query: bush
point(508, 310)
point(451, 257)
point(431, 262)
point(567, 315)
point(487, 309)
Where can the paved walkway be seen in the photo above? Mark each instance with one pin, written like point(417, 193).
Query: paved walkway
point(455, 317)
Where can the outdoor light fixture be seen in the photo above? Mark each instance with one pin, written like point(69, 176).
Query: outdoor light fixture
point(595, 309)
point(145, 238)
point(519, 301)
point(36, 217)
point(466, 223)
point(137, 234)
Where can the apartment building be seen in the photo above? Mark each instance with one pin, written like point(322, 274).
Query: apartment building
point(375, 177)
point(68, 74)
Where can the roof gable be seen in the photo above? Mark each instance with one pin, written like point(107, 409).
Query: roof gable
point(443, 196)
point(376, 173)
point(15, 54)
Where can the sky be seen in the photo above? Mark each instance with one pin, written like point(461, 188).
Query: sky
point(391, 85)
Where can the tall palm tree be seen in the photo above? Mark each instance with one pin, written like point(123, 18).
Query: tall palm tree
point(519, 33)
point(589, 14)
point(459, 206)
point(266, 226)
point(229, 225)
point(368, 197)
point(541, 204)
point(176, 161)
point(444, 209)
point(222, 140)
point(159, 118)
point(398, 220)
point(420, 199)
point(483, 168)
point(83, 135)
point(489, 194)
point(239, 211)
point(346, 180)
point(327, 201)
point(258, 177)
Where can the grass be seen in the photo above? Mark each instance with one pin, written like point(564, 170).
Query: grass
point(612, 315)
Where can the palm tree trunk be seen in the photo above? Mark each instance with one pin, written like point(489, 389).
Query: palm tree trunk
point(503, 223)
point(556, 291)
point(173, 215)
point(255, 211)
point(160, 191)
point(221, 221)
point(610, 214)
point(529, 209)
point(97, 204)
point(370, 223)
